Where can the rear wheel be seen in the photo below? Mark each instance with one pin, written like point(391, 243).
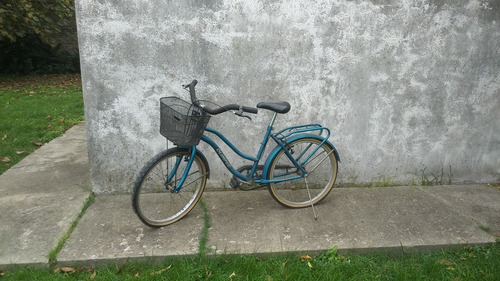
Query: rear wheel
point(321, 165)
point(153, 198)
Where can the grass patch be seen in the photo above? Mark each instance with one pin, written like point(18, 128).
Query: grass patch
point(383, 181)
point(467, 263)
point(55, 251)
point(435, 179)
point(35, 111)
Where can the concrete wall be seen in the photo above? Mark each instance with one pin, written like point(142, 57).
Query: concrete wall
point(409, 88)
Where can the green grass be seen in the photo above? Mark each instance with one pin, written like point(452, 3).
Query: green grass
point(467, 263)
point(32, 114)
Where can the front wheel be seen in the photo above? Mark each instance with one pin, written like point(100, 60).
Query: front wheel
point(153, 198)
point(297, 191)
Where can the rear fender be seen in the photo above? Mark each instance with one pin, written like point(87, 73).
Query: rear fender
point(275, 151)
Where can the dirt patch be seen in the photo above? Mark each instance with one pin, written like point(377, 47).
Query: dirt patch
point(40, 81)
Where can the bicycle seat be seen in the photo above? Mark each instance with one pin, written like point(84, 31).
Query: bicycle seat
point(278, 107)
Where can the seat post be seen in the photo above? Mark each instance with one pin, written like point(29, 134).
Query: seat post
point(273, 119)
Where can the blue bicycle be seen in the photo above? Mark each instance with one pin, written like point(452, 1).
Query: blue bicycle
point(299, 172)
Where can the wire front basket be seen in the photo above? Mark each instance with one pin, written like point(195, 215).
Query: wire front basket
point(181, 122)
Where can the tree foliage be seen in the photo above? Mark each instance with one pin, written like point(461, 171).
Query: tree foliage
point(45, 18)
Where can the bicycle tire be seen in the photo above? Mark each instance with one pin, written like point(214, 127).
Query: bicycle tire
point(293, 193)
point(153, 200)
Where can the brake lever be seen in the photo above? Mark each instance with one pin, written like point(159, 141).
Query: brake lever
point(240, 114)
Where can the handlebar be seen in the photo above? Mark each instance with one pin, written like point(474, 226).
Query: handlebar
point(215, 111)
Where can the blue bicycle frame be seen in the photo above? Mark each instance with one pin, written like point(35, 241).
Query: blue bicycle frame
point(281, 138)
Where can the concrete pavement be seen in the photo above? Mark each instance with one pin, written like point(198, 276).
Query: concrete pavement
point(44, 193)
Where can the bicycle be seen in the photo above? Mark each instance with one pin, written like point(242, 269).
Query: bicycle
point(299, 172)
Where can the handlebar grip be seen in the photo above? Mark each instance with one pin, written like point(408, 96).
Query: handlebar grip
point(250, 109)
point(222, 109)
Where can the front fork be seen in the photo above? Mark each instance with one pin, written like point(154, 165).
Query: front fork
point(173, 172)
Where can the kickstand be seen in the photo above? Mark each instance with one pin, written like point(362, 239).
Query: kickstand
point(310, 199)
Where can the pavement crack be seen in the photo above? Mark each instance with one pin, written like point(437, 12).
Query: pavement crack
point(55, 251)
point(202, 246)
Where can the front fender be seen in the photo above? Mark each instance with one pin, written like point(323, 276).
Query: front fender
point(275, 151)
point(201, 155)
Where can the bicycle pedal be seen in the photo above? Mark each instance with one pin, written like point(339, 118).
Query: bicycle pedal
point(234, 182)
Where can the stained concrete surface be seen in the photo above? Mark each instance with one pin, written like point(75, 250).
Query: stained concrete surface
point(404, 86)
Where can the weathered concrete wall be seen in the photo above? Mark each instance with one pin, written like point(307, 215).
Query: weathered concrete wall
point(409, 88)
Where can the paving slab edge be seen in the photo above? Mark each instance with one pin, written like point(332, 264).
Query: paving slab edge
point(390, 250)
point(395, 251)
